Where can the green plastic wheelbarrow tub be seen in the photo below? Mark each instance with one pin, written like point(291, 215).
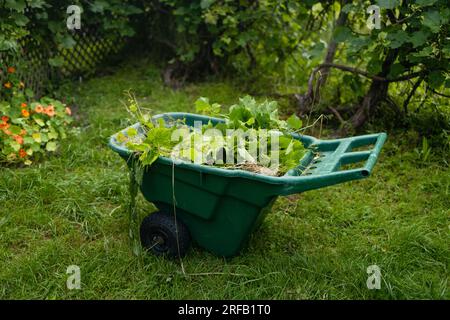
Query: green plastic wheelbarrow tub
point(221, 207)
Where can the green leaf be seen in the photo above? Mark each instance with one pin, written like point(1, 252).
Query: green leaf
point(211, 18)
point(121, 137)
point(149, 159)
point(133, 108)
point(432, 19)
point(317, 50)
point(28, 140)
point(68, 42)
point(15, 145)
point(40, 122)
point(359, 43)
point(205, 4)
point(15, 130)
point(250, 121)
point(7, 44)
point(446, 50)
point(99, 6)
point(294, 122)
point(36, 146)
point(419, 38)
point(349, 7)
point(425, 3)
point(36, 3)
point(436, 79)
point(132, 132)
point(388, 4)
point(51, 146)
point(52, 135)
point(20, 19)
point(130, 9)
point(4, 107)
point(375, 65)
point(17, 5)
point(44, 137)
point(56, 61)
point(425, 52)
point(290, 148)
point(203, 106)
point(143, 147)
point(29, 93)
point(396, 70)
point(37, 137)
point(447, 83)
point(342, 34)
point(62, 133)
point(161, 122)
point(54, 26)
point(397, 39)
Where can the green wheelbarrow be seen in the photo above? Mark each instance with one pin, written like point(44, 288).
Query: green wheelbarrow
point(218, 208)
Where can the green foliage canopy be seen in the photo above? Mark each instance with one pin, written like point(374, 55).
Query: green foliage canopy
point(46, 20)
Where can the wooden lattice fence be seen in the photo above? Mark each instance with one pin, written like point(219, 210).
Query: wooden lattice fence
point(90, 50)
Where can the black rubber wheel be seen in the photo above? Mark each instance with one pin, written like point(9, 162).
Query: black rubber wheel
point(159, 235)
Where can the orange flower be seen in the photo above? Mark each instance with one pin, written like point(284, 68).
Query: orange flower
point(68, 111)
point(8, 85)
point(22, 153)
point(5, 119)
point(50, 111)
point(25, 113)
point(18, 139)
point(11, 70)
point(8, 132)
point(23, 132)
point(39, 109)
point(23, 105)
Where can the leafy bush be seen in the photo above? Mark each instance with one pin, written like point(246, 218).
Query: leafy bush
point(417, 31)
point(207, 35)
point(28, 130)
point(46, 21)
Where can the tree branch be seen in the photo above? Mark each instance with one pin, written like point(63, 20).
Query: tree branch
point(411, 94)
point(337, 114)
point(440, 94)
point(366, 74)
point(306, 100)
point(333, 45)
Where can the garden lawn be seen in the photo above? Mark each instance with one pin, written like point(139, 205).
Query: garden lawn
point(72, 209)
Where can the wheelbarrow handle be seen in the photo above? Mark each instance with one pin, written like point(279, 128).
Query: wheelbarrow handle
point(373, 157)
point(324, 165)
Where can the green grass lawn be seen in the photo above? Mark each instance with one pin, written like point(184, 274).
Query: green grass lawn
point(72, 209)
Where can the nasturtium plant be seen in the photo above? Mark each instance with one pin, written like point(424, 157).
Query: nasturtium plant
point(28, 129)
